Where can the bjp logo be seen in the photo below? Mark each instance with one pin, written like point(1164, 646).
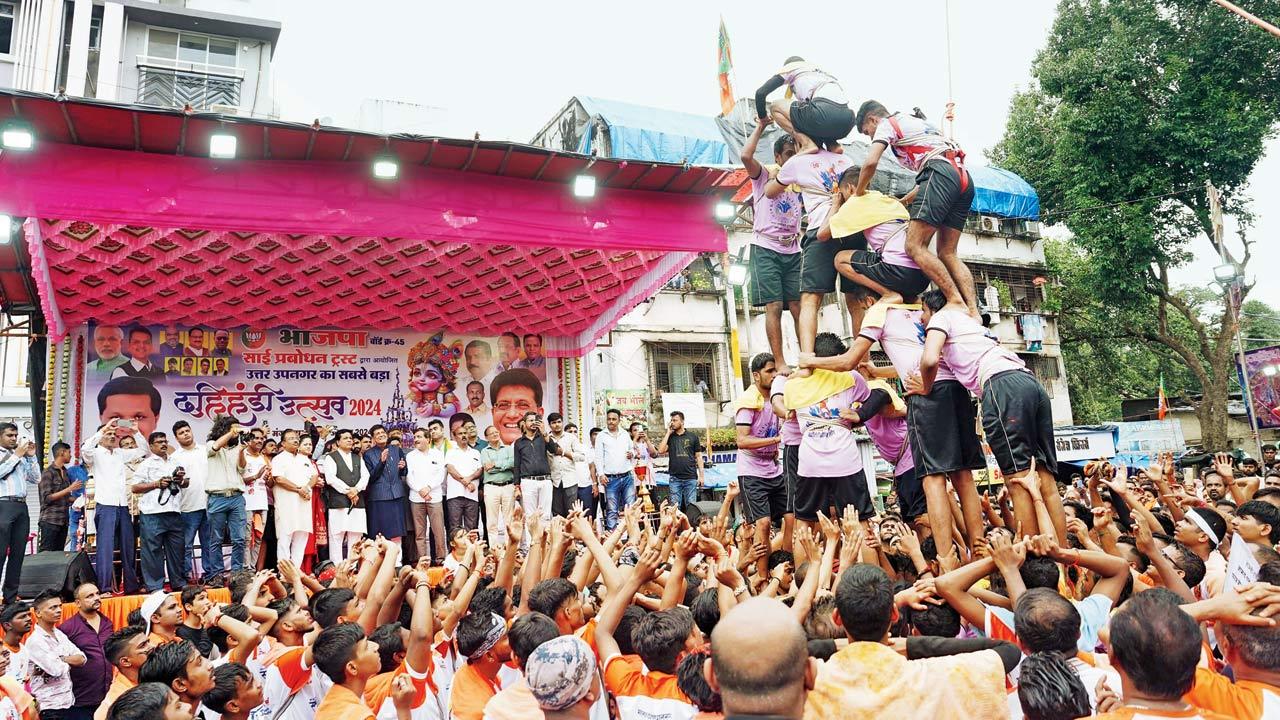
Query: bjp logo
point(252, 338)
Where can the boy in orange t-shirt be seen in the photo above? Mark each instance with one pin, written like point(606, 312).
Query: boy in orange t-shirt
point(350, 660)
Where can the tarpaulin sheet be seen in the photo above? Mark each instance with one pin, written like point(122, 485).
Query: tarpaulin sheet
point(1000, 192)
point(637, 132)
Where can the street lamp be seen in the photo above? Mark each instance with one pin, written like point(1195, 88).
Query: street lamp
point(1225, 273)
point(1216, 288)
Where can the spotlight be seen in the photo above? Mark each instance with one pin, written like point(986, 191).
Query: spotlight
point(222, 145)
point(17, 136)
point(724, 211)
point(584, 186)
point(1269, 370)
point(1216, 288)
point(6, 229)
point(737, 274)
point(385, 167)
point(1225, 273)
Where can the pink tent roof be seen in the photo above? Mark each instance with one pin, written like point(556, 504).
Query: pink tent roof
point(128, 220)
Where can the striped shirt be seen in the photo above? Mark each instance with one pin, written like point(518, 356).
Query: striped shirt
point(16, 473)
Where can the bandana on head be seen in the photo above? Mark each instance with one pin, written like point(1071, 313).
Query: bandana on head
point(1200, 522)
point(151, 605)
point(497, 628)
point(560, 671)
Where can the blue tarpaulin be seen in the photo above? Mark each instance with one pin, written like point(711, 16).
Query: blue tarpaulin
point(637, 132)
point(1000, 192)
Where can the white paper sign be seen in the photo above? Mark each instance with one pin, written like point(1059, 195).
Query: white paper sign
point(691, 404)
point(1243, 566)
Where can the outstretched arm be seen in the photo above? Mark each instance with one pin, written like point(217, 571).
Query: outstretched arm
point(868, 170)
point(611, 614)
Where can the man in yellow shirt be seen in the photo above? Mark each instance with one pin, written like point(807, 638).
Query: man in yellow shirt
point(126, 650)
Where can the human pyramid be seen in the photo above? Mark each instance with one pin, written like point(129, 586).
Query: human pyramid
point(879, 247)
point(1133, 596)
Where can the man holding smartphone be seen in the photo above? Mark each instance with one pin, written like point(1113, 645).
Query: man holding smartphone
point(684, 462)
point(106, 460)
point(18, 471)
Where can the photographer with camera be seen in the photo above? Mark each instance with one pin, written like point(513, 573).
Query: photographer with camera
point(225, 487)
point(159, 481)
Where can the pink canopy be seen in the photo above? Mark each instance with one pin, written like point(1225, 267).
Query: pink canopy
point(313, 240)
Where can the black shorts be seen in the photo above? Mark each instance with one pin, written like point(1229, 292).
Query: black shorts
point(817, 264)
point(775, 277)
point(766, 497)
point(942, 428)
point(791, 469)
point(909, 282)
point(820, 494)
point(911, 501)
point(941, 202)
point(1018, 421)
point(826, 121)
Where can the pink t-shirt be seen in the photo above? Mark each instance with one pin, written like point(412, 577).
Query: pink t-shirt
point(890, 240)
point(969, 352)
point(900, 333)
point(890, 437)
point(775, 220)
point(790, 428)
point(759, 462)
point(828, 449)
point(817, 174)
point(914, 142)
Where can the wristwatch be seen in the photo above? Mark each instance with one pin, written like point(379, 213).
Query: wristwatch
point(739, 591)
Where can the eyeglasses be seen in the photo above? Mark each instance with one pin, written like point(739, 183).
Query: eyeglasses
point(507, 406)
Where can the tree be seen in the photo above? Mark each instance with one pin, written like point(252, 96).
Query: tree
point(1135, 106)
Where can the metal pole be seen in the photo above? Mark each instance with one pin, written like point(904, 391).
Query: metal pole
point(1246, 386)
point(1250, 17)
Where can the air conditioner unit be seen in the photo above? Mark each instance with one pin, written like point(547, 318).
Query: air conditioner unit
point(988, 224)
point(1031, 228)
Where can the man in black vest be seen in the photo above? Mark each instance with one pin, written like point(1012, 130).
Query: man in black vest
point(346, 477)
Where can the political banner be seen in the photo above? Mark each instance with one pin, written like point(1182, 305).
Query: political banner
point(156, 375)
point(633, 404)
point(1260, 367)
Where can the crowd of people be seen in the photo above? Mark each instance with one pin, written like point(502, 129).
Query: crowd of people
point(445, 575)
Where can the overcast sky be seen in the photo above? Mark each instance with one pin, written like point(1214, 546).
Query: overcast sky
point(505, 68)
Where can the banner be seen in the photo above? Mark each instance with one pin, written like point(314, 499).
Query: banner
point(156, 375)
point(1264, 389)
point(1078, 446)
point(633, 404)
point(1139, 443)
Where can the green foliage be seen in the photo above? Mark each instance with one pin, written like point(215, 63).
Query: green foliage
point(1259, 325)
point(724, 438)
point(1135, 106)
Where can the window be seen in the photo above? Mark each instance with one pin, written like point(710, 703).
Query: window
point(1024, 292)
point(678, 367)
point(1044, 368)
point(192, 48)
point(6, 28)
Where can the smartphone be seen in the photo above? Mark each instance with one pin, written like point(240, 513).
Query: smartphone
point(121, 422)
point(474, 535)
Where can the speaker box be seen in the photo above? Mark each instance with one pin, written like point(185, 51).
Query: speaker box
point(57, 570)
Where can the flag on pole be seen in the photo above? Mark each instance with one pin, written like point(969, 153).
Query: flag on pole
point(1162, 402)
point(725, 66)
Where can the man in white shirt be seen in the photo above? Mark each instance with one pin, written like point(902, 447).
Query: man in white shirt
point(462, 488)
point(51, 656)
point(105, 461)
point(613, 463)
point(159, 482)
point(346, 478)
point(18, 472)
point(564, 469)
point(193, 503)
point(426, 479)
point(254, 475)
point(293, 476)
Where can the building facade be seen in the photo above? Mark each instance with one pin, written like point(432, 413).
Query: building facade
point(211, 55)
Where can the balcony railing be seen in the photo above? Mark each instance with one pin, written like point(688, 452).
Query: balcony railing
point(173, 87)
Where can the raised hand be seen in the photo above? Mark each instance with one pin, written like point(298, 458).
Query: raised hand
point(1008, 555)
point(1225, 465)
point(829, 528)
point(647, 565)
point(687, 544)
